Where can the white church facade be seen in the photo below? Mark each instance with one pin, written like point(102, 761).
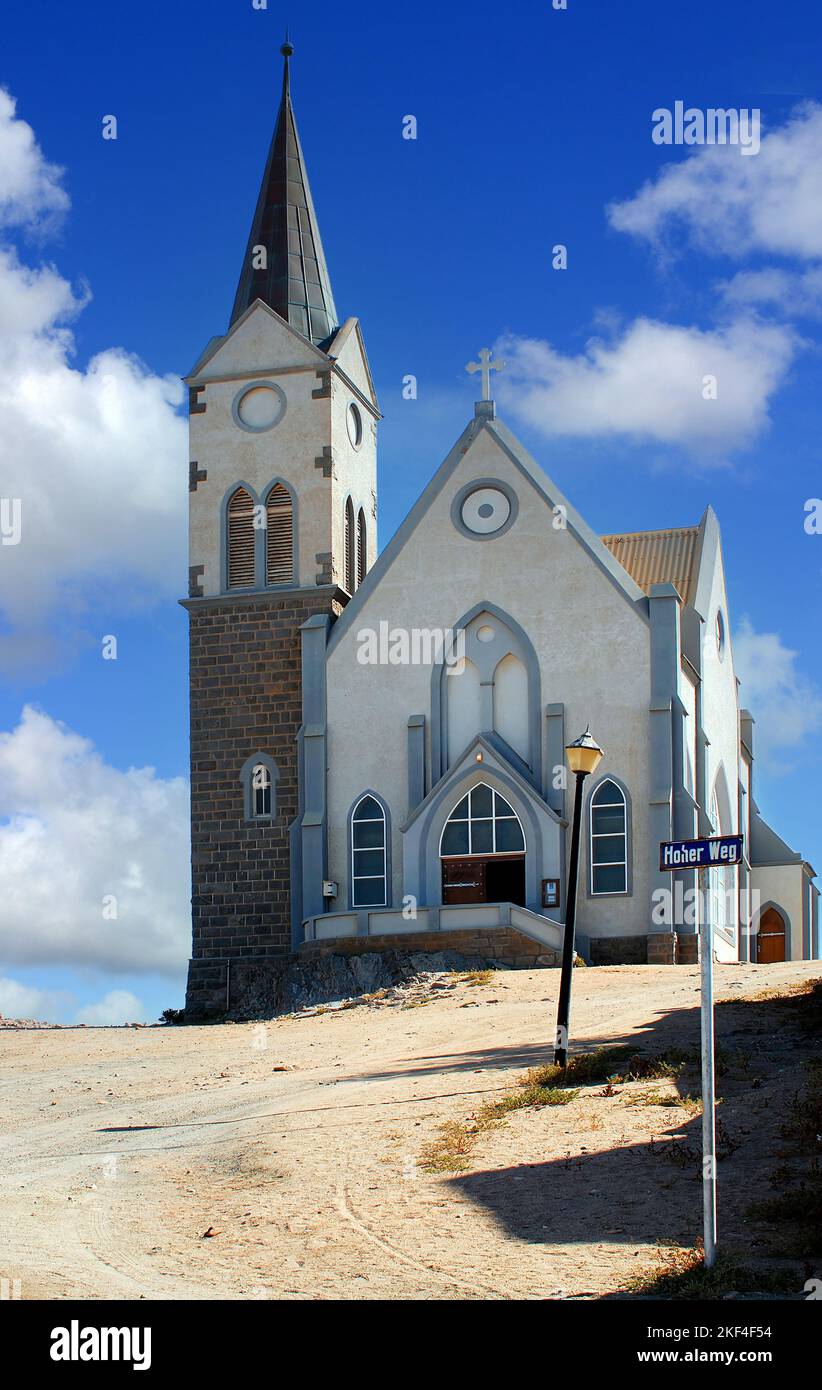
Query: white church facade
point(378, 740)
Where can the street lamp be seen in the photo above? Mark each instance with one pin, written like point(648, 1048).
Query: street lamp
point(584, 755)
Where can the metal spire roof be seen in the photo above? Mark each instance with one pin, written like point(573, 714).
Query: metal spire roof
point(294, 278)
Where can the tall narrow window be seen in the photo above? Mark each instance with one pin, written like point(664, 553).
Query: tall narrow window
point(609, 840)
point(349, 547)
point(260, 791)
point(361, 548)
point(368, 848)
point(279, 551)
point(241, 535)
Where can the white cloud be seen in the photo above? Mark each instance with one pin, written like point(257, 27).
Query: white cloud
point(31, 191)
point(797, 294)
point(27, 1002)
point(734, 204)
point(647, 384)
point(118, 1006)
point(74, 832)
point(786, 705)
point(96, 455)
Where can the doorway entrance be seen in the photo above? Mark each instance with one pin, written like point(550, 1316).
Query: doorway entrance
point(482, 850)
point(497, 879)
point(770, 939)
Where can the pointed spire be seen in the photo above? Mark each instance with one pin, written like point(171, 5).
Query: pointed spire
point(293, 277)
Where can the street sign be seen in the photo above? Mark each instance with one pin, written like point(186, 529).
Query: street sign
point(717, 852)
point(714, 852)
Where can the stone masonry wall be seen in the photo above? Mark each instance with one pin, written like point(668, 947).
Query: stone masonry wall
point(246, 698)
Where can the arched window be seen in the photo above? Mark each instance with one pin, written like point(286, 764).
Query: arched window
point(259, 777)
point(261, 791)
point(279, 550)
point(368, 854)
point(482, 823)
point(493, 688)
point(350, 570)
point(361, 548)
point(609, 839)
point(240, 541)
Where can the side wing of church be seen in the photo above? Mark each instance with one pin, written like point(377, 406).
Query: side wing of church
point(377, 744)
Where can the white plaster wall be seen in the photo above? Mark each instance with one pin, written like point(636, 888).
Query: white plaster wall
point(720, 717)
point(549, 584)
point(783, 885)
point(264, 348)
point(720, 703)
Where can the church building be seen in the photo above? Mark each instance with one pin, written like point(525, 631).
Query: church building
point(377, 740)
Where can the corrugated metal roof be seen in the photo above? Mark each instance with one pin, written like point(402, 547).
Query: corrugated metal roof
point(658, 557)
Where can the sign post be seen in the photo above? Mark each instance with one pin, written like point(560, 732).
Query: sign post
point(706, 972)
point(718, 851)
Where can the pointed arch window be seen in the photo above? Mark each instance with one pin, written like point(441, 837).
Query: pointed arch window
point(361, 547)
point(260, 791)
point(369, 880)
point(349, 544)
point(241, 540)
point(259, 777)
point(279, 550)
point(482, 823)
point(609, 839)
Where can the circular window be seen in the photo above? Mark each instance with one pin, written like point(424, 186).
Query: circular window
point(720, 632)
point(485, 633)
point(485, 511)
point(354, 422)
point(259, 406)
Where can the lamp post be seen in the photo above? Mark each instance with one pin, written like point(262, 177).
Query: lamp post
point(584, 756)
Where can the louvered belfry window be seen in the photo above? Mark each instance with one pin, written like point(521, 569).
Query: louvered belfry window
point(279, 549)
point(361, 548)
point(241, 541)
point(349, 547)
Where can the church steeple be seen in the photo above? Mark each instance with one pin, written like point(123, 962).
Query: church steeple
point(284, 264)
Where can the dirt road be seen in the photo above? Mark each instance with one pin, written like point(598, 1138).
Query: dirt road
point(297, 1142)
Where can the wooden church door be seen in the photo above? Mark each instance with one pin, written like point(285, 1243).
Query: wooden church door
point(770, 940)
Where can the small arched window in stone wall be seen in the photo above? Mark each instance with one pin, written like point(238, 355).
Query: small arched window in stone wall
point(261, 791)
point(349, 543)
point(361, 548)
point(279, 551)
point(241, 537)
point(259, 777)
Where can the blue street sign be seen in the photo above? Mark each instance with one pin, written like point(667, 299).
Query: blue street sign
point(715, 853)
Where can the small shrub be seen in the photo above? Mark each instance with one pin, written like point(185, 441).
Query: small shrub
point(527, 1098)
point(173, 1016)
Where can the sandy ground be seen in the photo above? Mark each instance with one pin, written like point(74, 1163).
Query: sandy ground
point(120, 1148)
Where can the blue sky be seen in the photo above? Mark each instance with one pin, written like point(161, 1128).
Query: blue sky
point(532, 123)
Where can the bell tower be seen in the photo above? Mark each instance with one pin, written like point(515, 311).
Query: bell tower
point(282, 529)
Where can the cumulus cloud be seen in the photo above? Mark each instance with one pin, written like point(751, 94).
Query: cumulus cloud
point(797, 294)
point(31, 190)
point(732, 204)
point(26, 1001)
point(118, 1006)
point(785, 704)
point(647, 383)
point(95, 456)
point(93, 861)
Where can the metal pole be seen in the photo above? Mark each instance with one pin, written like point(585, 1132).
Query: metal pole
point(706, 968)
point(564, 1007)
